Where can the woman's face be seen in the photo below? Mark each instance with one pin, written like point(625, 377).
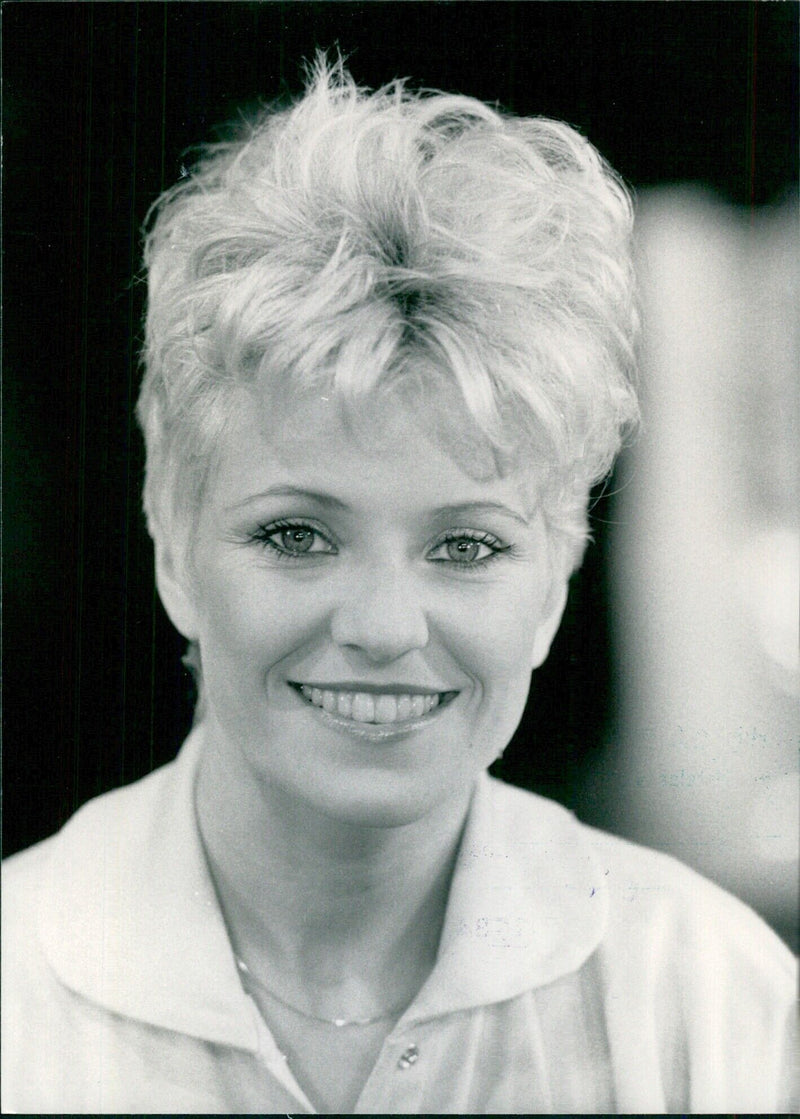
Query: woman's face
point(368, 615)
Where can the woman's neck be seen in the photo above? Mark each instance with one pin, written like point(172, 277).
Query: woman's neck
point(338, 915)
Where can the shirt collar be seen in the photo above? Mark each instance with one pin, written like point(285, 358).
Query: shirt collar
point(130, 918)
point(526, 905)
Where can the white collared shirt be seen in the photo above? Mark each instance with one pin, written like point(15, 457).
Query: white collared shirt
point(576, 973)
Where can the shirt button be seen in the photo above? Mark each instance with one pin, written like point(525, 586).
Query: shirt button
point(409, 1057)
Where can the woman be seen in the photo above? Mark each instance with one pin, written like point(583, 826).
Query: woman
point(389, 348)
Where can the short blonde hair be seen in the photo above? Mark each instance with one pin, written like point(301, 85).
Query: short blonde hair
point(358, 239)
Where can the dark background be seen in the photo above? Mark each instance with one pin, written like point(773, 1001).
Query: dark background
point(101, 102)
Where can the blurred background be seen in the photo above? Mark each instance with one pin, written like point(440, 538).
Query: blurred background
point(668, 709)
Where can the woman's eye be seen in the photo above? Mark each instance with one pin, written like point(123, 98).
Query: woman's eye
point(467, 550)
point(295, 540)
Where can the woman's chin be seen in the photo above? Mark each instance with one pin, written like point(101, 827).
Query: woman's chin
point(378, 801)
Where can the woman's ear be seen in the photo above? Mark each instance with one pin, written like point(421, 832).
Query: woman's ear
point(550, 621)
point(175, 591)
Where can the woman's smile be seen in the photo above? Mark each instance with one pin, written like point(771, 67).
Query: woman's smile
point(377, 708)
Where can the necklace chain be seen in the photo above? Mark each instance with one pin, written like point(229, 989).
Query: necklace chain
point(338, 1022)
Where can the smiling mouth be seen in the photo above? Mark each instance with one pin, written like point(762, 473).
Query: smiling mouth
point(378, 708)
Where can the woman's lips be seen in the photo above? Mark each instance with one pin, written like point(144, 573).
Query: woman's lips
point(376, 707)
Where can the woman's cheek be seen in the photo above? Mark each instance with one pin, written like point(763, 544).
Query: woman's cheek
point(249, 604)
point(496, 648)
point(514, 617)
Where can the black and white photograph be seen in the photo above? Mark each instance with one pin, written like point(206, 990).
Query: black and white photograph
point(401, 565)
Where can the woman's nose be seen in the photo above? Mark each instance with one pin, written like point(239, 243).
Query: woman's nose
point(381, 616)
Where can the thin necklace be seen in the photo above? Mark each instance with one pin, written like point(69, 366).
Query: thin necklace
point(338, 1022)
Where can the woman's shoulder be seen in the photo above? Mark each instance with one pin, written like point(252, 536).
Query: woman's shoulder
point(89, 826)
point(74, 868)
point(75, 904)
point(657, 906)
point(650, 887)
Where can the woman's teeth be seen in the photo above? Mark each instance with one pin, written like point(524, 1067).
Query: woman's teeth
point(364, 707)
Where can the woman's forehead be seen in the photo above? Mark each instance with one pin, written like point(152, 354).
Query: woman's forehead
point(370, 421)
point(374, 446)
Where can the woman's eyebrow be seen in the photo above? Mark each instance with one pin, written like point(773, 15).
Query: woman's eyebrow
point(476, 508)
point(444, 512)
point(324, 499)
